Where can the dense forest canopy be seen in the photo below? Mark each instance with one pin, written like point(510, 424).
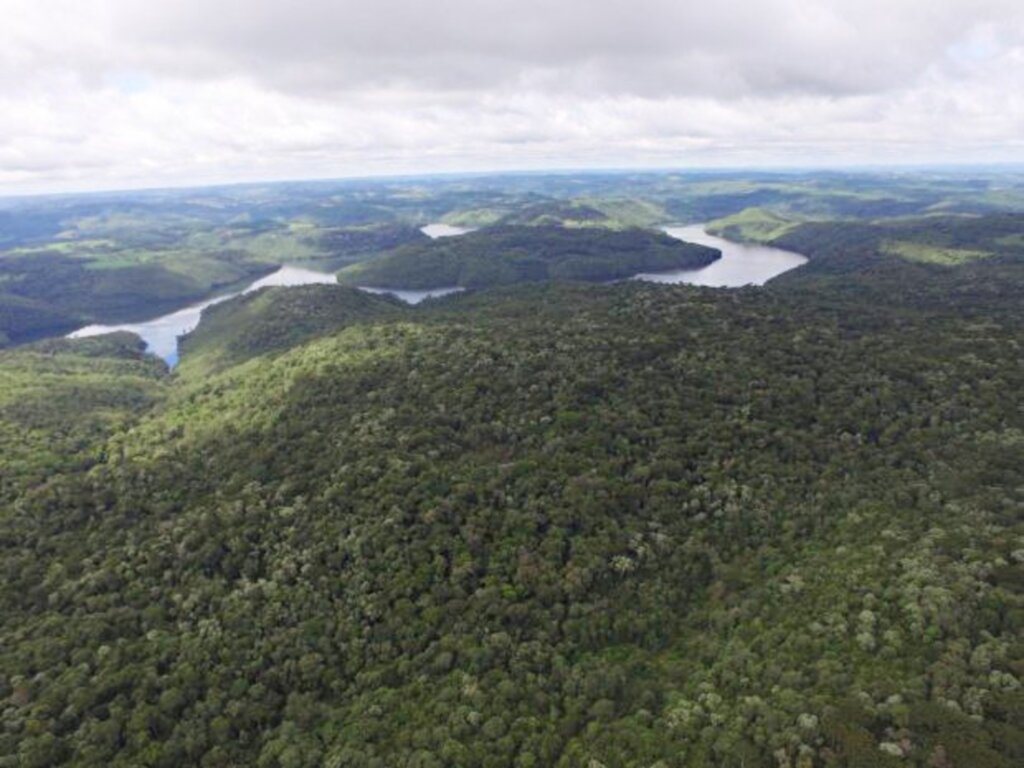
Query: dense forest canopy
point(555, 524)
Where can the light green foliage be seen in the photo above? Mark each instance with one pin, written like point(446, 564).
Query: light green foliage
point(931, 254)
point(752, 225)
point(61, 400)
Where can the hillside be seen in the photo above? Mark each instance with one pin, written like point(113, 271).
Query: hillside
point(504, 255)
point(557, 213)
point(61, 400)
point(751, 225)
point(535, 525)
point(66, 261)
point(274, 319)
point(50, 292)
point(539, 523)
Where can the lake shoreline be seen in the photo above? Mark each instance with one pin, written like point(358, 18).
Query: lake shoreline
point(740, 264)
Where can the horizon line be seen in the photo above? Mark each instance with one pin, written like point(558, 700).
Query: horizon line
point(371, 178)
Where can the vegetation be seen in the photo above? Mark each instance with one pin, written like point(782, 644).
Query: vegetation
point(931, 254)
point(124, 256)
point(502, 255)
point(60, 400)
point(272, 319)
point(49, 291)
point(134, 274)
point(548, 524)
point(751, 225)
point(559, 213)
point(348, 242)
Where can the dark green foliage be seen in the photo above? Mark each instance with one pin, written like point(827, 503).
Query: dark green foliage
point(547, 525)
point(359, 241)
point(49, 292)
point(23, 319)
point(540, 526)
point(72, 259)
point(856, 247)
point(503, 255)
point(850, 261)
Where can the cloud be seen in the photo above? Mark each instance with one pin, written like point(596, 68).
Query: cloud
point(116, 92)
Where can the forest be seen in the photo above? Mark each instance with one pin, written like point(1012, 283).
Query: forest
point(70, 260)
point(551, 523)
point(504, 254)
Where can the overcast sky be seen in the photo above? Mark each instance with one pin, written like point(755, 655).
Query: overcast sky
point(99, 94)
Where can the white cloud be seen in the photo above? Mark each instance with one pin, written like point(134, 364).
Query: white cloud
point(107, 93)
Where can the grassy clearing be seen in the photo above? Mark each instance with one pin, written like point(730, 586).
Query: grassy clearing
point(924, 253)
point(752, 224)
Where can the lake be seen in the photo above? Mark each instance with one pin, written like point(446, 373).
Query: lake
point(741, 263)
point(443, 230)
point(161, 333)
point(413, 297)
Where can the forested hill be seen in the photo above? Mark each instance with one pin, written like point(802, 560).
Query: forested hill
point(502, 255)
point(565, 525)
point(944, 264)
point(276, 319)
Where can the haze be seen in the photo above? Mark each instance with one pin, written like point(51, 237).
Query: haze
point(99, 94)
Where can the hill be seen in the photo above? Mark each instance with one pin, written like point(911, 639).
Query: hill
point(751, 225)
point(70, 260)
point(60, 400)
point(505, 255)
point(557, 213)
point(544, 524)
point(275, 319)
point(540, 523)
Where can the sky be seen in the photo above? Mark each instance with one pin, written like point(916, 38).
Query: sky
point(109, 94)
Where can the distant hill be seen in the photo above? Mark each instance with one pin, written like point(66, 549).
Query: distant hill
point(566, 213)
point(752, 225)
point(342, 242)
point(517, 254)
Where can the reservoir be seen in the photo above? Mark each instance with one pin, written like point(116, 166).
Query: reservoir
point(413, 297)
point(443, 230)
point(741, 263)
point(161, 333)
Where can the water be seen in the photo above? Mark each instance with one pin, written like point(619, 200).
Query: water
point(443, 230)
point(413, 297)
point(161, 333)
point(741, 263)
